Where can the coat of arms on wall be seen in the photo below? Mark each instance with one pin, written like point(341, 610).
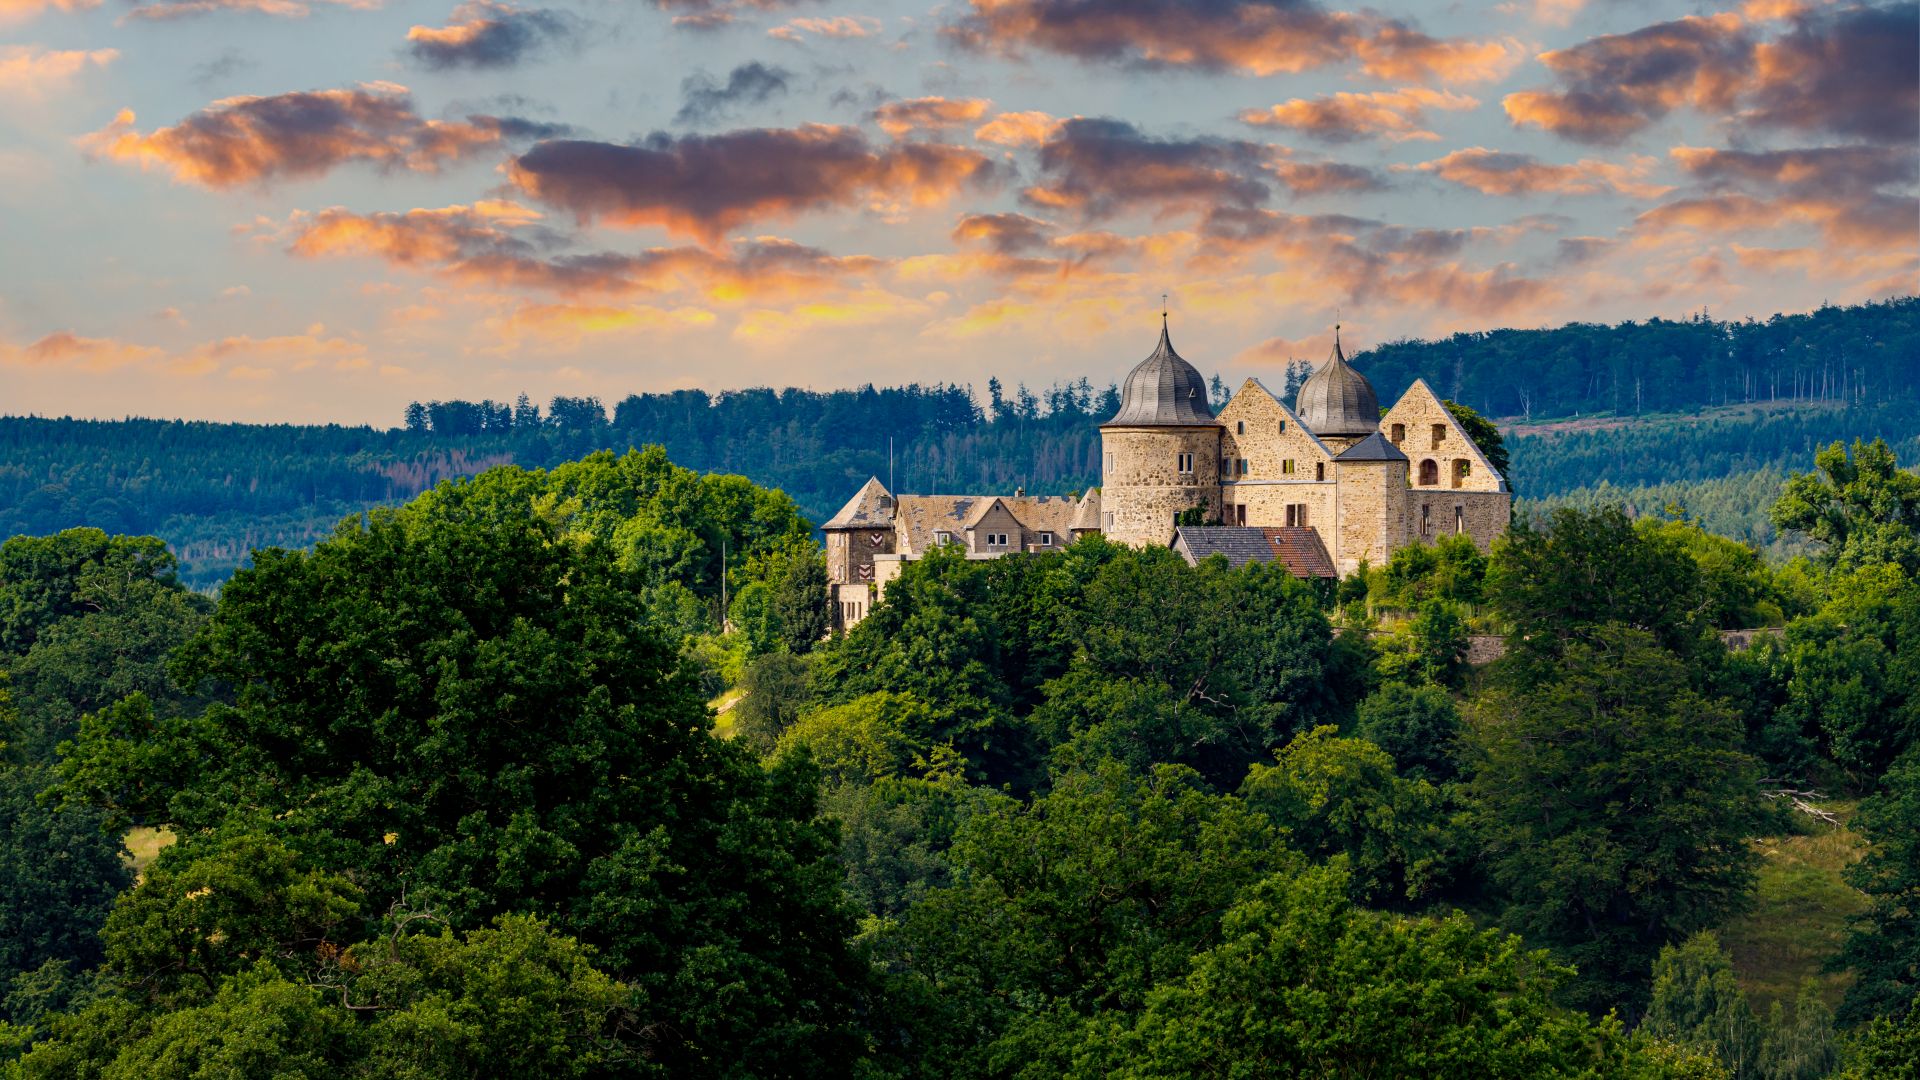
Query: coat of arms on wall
point(866, 572)
point(876, 539)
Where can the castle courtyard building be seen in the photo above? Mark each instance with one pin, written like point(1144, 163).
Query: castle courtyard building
point(1321, 489)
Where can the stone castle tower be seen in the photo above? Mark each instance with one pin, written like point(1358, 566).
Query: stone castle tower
point(1160, 454)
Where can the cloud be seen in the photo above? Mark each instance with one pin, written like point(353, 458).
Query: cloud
point(841, 27)
point(1852, 71)
point(505, 245)
point(1398, 53)
point(902, 118)
point(489, 34)
point(1019, 129)
point(1848, 71)
point(64, 349)
point(253, 140)
point(1814, 170)
point(166, 10)
point(1005, 233)
point(704, 21)
point(1256, 37)
point(1326, 178)
point(702, 98)
point(1491, 172)
point(1396, 115)
point(12, 11)
point(1100, 167)
point(706, 185)
point(1612, 86)
point(33, 72)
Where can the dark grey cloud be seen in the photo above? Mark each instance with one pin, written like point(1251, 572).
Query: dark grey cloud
point(490, 34)
point(704, 98)
point(1097, 167)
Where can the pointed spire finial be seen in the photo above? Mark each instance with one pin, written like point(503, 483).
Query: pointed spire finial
point(1163, 309)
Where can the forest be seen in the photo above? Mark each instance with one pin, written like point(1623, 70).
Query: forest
point(489, 784)
point(1696, 402)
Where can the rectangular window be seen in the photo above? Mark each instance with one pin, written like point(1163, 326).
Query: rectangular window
point(1283, 427)
point(1106, 520)
point(1426, 529)
point(1439, 435)
point(943, 537)
point(1046, 539)
point(1303, 515)
point(1240, 514)
point(1459, 519)
point(1108, 465)
point(1319, 470)
point(1185, 462)
point(1241, 466)
point(1287, 466)
point(1239, 427)
point(1399, 434)
point(1223, 467)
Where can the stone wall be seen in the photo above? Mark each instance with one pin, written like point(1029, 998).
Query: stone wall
point(1267, 501)
point(1486, 514)
point(1417, 412)
point(1257, 427)
point(1372, 513)
point(1141, 487)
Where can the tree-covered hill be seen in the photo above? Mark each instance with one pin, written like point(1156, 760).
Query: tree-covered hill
point(1691, 401)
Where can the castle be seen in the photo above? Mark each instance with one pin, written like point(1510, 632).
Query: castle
point(1321, 489)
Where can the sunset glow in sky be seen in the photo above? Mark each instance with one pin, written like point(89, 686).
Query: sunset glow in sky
point(318, 210)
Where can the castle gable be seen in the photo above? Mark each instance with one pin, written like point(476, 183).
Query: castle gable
point(1441, 453)
point(1261, 435)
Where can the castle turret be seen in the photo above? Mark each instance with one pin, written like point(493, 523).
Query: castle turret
point(1372, 503)
point(1160, 454)
point(1337, 403)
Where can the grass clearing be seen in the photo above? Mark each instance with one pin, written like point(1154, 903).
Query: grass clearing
point(1799, 917)
point(143, 844)
point(723, 724)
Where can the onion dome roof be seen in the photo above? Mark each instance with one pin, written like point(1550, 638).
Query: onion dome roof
point(1338, 400)
point(1163, 391)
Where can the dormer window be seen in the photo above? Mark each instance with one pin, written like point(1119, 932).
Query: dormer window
point(1046, 539)
point(996, 540)
point(943, 537)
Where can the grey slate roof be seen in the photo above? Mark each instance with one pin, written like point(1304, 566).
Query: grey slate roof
point(870, 508)
point(920, 517)
point(1299, 549)
point(1163, 391)
point(1374, 447)
point(1087, 514)
point(1337, 400)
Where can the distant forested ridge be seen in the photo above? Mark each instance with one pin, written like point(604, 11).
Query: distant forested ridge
point(1771, 391)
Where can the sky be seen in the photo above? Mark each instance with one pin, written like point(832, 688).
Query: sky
point(320, 210)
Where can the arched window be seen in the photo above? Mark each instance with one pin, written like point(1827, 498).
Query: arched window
point(1429, 473)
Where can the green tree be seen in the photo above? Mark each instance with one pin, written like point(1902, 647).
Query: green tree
point(59, 873)
point(1696, 1003)
point(873, 736)
point(1484, 433)
point(1305, 984)
point(800, 601)
point(1852, 675)
point(1861, 507)
point(1079, 903)
point(1884, 1048)
point(462, 704)
point(1332, 796)
point(754, 618)
point(1418, 727)
point(1800, 1046)
point(1613, 805)
point(1883, 946)
point(776, 689)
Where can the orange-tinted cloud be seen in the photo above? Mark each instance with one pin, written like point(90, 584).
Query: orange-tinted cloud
point(1305, 178)
point(1850, 71)
point(504, 245)
point(1005, 233)
point(1493, 173)
point(65, 350)
point(902, 118)
point(1342, 117)
point(165, 10)
point(33, 73)
point(1812, 170)
point(1398, 53)
point(489, 34)
point(12, 11)
point(254, 140)
point(1019, 129)
point(1257, 37)
point(840, 27)
point(1613, 86)
point(706, 185)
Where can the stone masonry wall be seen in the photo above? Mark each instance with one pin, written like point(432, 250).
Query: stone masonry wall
point(1251, 428)
point(1486, 514)
point(1372, 513)
point(1266, 503)
point(1417, 411)
point(1141, 487)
